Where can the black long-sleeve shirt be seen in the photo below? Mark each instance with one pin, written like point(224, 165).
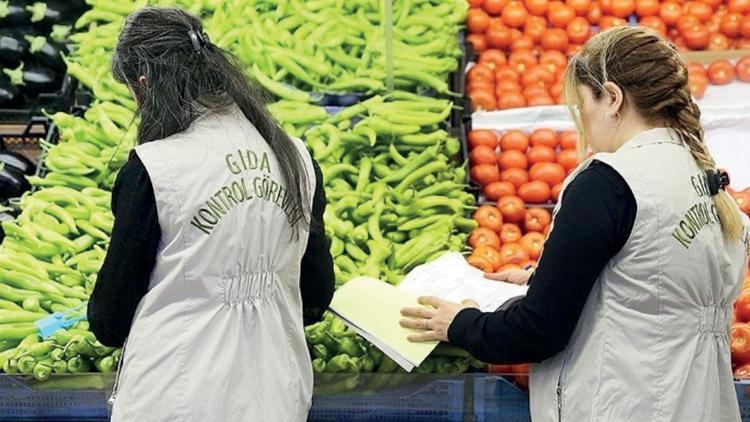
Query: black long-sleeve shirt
point(594, 222)
point(124, 277)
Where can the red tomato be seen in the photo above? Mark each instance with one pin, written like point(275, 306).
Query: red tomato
point(514, 14)
point(698, 85)
point(740, 346)
point(555, 192)
point(516, 177)
point(483, 236)
point(739, 6)
point(537, 219)
point(700, 10)
point(537, 7)
point(743, 69)
point(549, 173)
point(622, 8)
point(608, 22)
point(494, 7)
point(482, 137)
point(477, 21)
point(579, 30)
point(535, 27)
point(669, 12)
point(522, 60)
point(482, 155)
point(568, 159)
point(595, 14)
point(507, 72)
point(507, 86)
point(554, 60)
point(685, 22)
point(513, 253)
point(581, 7)
point(481, 263)
point(495, 58)
point(497, 190)
point(511, 100)
point(730, 25)
point(478, 42)
point(489, 254)
point(540, 100)
point(546, 137)
point(514, 140)
point(537, 75)
point(512, 159)
point(655, 23)
point(510, 233)
point(560, 14)
point(535, 192)
point(512, 208)
point(721, 72)
point(489, 217)
point(483, 100)
point(645, 8)
point(742, 372)
point(555, 39)
point(745, 27)
point(742, 306)
point(696, 68)
point(484, 174)
point(719, 42)
point(714, 4)
point(541, 154)
point(480, 71)
point(524, 42)
point(568, 139)
point(532, 243)
point(696, 37)
point(498, 36)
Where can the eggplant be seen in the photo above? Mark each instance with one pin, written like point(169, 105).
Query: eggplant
point(10, 97)
point(12, 49)
point(17, 161)
point(47, 13)
point(34, 79)
point(46, 53)
point(13, 13)
point(12, 183)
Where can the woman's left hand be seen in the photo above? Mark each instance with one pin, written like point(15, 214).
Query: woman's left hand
point(434, 317)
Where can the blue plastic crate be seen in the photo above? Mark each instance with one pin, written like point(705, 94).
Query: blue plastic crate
point(24, 399)
point(743, 397)
point(497, 399)
point(389, 397)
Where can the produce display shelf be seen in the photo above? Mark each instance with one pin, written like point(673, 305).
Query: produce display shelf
point(60, 100)
point(337, 397)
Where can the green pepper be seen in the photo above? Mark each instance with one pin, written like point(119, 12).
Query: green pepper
point(59, 366)
point(341, 363)
point(26, 364)
point(387, 366)
point(426, 367)
point(19, 316)
point(366, 364)
point(443, 365)
point(318, 365)
point(320, 351)
point(279, 89)
point(9, 306)
point(78, 364)
point(105, 365)
point(42, 370)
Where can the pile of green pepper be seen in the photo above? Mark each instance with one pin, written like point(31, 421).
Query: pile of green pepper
point(294, 47)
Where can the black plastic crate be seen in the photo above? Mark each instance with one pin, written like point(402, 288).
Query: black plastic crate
point(60, 100)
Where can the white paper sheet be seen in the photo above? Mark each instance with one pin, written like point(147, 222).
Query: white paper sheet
point(451, 278)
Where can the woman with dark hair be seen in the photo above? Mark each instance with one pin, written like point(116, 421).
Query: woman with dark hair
point(218, 252)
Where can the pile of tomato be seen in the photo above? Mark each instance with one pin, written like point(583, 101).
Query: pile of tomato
point(740, 333)
point(531, 166)
point(523, 45)
point(742, 198)
point(720, 72)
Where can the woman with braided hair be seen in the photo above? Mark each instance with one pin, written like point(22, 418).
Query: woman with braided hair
point(629, 310)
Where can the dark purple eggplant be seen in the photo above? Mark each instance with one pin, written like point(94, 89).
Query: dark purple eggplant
point(18, 162)
point(49, 12)
point(10, 97)
point(13, 13)
point(34, 79)
point(12, 183)
point(46, 53)
point(12, 50)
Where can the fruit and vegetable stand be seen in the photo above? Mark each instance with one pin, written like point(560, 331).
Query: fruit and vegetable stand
point(436, 128)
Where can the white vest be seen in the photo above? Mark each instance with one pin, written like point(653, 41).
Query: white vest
point(219, 335)
point(652, 343)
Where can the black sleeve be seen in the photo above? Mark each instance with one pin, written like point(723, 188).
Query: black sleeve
point(317, 279)
point(594, 222)
point(124, 277)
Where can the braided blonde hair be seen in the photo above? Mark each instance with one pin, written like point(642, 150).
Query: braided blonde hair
point(654, 78)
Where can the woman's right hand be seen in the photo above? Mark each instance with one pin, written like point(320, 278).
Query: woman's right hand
point(519, 277)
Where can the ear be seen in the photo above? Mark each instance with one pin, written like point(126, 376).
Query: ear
point(615, 96)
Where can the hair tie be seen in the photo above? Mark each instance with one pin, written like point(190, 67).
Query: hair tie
point(717, 180)
point(198, 40)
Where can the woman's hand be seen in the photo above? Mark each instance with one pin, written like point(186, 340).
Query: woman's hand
point(434, 317)
point(520, 277)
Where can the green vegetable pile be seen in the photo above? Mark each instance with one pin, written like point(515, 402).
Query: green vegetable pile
point(294, 47)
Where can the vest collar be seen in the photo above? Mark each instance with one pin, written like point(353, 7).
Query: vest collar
point(657, 135)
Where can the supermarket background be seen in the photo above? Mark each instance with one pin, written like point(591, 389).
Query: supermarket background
point(437, 125)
